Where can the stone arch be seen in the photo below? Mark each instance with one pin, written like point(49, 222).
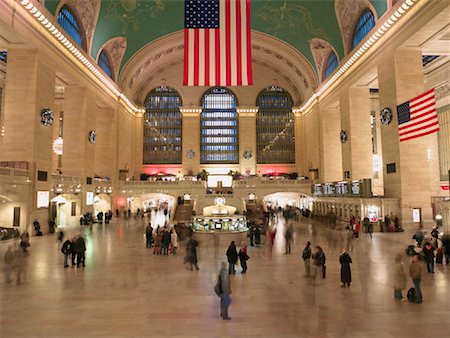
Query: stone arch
point(347, 15)
point(87, 12)
point(115, 48)
point(320, 50)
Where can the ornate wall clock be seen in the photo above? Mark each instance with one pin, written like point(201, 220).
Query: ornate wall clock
point(92, 136)
point(47, 117)
point(190, 153)
point(248, 154)
point(343, 136)
point(386, 116)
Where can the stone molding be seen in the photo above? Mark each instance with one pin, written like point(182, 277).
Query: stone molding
point(115, 49)
point(320, 50)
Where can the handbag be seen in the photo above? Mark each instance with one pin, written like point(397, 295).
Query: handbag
point(218, 287)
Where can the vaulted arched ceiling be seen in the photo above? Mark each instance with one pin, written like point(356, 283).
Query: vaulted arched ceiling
point(140, 22)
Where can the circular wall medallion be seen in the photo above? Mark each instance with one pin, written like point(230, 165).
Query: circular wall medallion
point(343, 136)
point(190, 153)
point(219, 201)
point(47, 117)
point(386, 116)
point(92, 136)
point(248, 154)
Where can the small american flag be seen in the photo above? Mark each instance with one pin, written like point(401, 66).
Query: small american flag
point(418, 117)
point(217, 48)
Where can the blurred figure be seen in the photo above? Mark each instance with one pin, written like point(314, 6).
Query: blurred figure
point(318, 263)
point(225, 288)
point(165, 241)
point(148, 235)
point(399, 277)
point(174, 241)
point(349, 235)
point(37, 228)
point(66, 249)
point(306, 255)
point(232, 258)
point(24, 240)
point(257, 236)
point(21, 265)
point(9, 260)
point(289, 236)
point(60, 237)
point(243, 257)
point(346, 272)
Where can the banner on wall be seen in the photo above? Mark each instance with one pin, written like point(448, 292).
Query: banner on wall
point(89, 198)
point(43, 199)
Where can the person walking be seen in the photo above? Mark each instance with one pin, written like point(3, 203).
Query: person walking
point(346, 272)
point(428, 253)
point(232, 258)
point(288, 237)
point(399, 277)
point(9, 260)
point(415, 272)
point(165, 241)
point(243, 257)
point(349, 234)
point(66, 249)
point(225, 291)
point(306, 255)
point(191, 258)
point(174, 241)
point(257, 236)
point(24, 240)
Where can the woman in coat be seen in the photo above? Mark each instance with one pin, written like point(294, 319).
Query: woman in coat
point(232, 256)
point(399, 277)
point(243, 257)
point(346, 273)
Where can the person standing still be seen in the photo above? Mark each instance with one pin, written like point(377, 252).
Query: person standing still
point(232, 258)
point(66, 249)
point(243, 257)
point(415, 272)
point(225, 299)
point(318, 263)
point(306, 255)
point(288, 237)
point(399, 277)
point(346, 273)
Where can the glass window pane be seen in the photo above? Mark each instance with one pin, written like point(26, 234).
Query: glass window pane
point(364, 25)
point(69, 23)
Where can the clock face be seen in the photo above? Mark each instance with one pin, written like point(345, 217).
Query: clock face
point(343, 136)
point(248, 154)
point(386, 116)
point(190, 153)
point(47, 117)
point(92, 136)
point(219, 201)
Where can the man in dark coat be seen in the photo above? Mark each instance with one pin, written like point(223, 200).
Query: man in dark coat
point(79, 247)
point(165, 242)
point(191, 258)
point(346, 273)
point(66, 249)
point(232, 258)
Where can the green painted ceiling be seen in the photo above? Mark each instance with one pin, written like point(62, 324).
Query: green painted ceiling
point(293, 21)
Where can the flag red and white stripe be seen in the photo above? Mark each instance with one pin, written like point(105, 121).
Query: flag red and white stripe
point(220, 56)
point(423, 117)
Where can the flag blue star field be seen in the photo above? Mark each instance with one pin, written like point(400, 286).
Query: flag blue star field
point(217, 46)
point(418, 117)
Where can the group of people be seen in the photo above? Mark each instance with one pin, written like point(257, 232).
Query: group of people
point(233, 255)
point(76, 248)
point(163, 240)
point(400, 279)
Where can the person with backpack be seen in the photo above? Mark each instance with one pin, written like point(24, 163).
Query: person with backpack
point(415, 272)
point(66, 249)
point(306, 256)
point(399, 277)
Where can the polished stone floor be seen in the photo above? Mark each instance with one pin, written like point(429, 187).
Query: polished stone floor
point(125, 291)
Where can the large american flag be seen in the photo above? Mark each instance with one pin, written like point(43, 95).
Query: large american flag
point(217, 47)
point(418, 117)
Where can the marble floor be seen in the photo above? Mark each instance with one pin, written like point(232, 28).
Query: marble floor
point(125, 291)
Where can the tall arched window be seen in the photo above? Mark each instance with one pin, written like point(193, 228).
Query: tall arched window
point(219, 127)
point(365, 23)
point(105, 64)
point(68, 21)
point(330, 66)
point(162, 127)
point(275, 127)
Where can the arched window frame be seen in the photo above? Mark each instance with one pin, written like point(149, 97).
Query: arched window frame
point(331, 64)
point(105, 64)
point(72, 25)
point(162, 130)
point(363, 26)
point(219, 147)
point(275, 134)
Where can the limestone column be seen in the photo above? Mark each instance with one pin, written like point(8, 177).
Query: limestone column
point(105, 147)
point(191, 139)
point(310, 143)
point(355, 121)
point(416, 175)
point(331, 150)
point(30, 87)
point(299, 154)
point(138, 141)
point(78, 157)
point(247, 139)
